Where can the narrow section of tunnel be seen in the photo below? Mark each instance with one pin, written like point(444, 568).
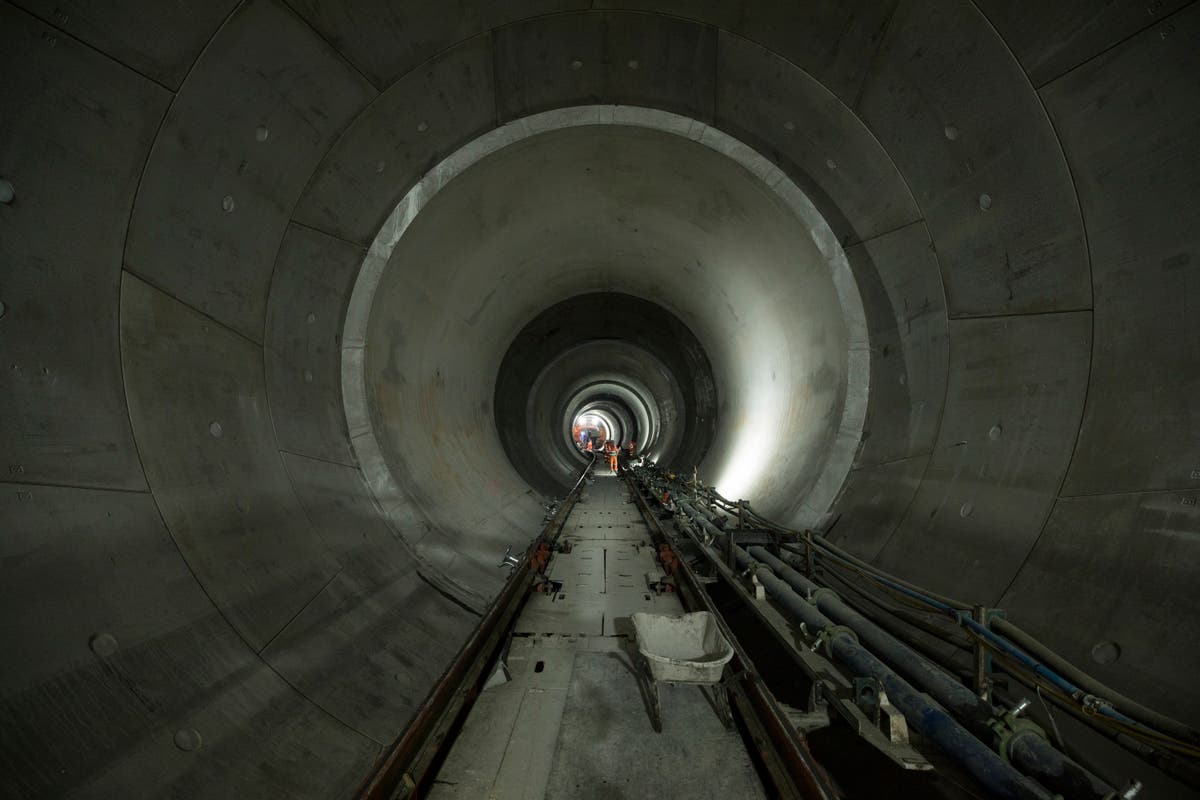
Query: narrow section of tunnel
point(585, 350)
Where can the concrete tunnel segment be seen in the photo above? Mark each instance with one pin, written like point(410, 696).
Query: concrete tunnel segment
point(197, 575)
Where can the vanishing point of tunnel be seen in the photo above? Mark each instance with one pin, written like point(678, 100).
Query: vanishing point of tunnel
point(312, 310)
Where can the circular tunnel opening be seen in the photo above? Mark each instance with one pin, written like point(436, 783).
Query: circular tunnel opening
point(627, 361)
point(650, 269)
point(589, 425)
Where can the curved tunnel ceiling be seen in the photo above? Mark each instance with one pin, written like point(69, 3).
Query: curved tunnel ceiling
point(206, 566)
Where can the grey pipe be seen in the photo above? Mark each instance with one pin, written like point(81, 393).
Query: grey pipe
point(1031, 752)
point(922, 712)
point(1147, 716)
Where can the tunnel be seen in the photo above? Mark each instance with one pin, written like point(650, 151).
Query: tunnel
point(301, 301)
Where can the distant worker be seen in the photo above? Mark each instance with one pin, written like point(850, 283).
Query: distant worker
point(611, 448)
point(632, 449)
point(589, 445)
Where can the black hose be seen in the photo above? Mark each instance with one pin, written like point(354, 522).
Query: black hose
point(825, 544)
point(1146, 716)
point(912, 617)
point(1184, 771)
point(870, 608)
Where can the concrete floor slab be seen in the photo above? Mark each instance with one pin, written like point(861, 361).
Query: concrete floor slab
point(571, 722)
point(608, 749)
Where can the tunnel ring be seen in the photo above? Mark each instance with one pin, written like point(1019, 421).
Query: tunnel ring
point(386, 492)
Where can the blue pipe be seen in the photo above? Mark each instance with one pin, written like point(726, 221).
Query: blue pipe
point(1034, 755)
point(1001, 643)
point(923, 713)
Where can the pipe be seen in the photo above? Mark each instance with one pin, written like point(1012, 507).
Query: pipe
point(948, 691)
point(1174, 767)
point(1035, 755)
point(843, 555)
point(1038, 756)
point(1147, 716)
point(1182, 770)
point(894, 623)
point(922, 712)
point(909, 617)
point(1008, 648)
point(1129, 710)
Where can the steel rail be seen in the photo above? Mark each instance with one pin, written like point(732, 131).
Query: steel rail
point(784, 751)
point(404, 765)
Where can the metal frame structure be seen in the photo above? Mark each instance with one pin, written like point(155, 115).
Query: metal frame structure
point(1006, 753)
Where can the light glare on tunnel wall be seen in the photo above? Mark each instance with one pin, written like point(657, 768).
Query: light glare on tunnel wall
point(756, 440)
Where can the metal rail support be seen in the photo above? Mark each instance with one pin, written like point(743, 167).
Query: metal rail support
point(404, 766)
point(983, 659)
point(730, 540)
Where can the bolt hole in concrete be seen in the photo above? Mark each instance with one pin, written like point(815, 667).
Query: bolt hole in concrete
point(215, 430)
point(188, 739)
point(985, 202)
point(261, 133)
point(103, 644)
point(951, 132)
point(227, 203)
point(539, 666)
point(7, 193)
point(3, 309)
point(1106, 652)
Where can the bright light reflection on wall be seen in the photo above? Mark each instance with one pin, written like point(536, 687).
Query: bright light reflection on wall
point(755, 437)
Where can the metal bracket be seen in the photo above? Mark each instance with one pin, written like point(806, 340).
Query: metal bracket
point(824, 640)
point(899, 750)
point(509, 560)
point(1009, 725)
point(872, 700)
point(807, 722)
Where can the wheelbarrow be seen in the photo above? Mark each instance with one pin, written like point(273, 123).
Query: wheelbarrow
point(687, 649)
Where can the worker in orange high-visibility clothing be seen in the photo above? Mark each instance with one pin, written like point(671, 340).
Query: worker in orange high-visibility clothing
point(611, 449)
point(589, 445)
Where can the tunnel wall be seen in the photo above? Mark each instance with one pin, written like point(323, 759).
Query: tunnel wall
point(1031, 434)
point(667, 343)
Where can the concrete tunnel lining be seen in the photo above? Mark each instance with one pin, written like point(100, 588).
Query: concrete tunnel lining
point(579, 341)
point(636, 397)
point(1061, 315)
point(788, 420)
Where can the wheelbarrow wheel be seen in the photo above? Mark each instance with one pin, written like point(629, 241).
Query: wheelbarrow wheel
point(652, 699)
point(721, 701)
